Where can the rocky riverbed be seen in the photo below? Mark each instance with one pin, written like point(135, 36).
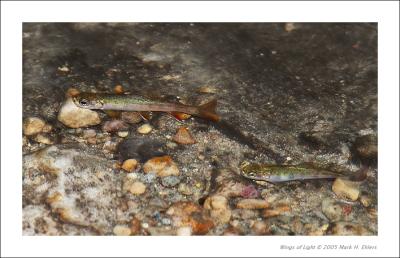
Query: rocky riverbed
point(287, 94)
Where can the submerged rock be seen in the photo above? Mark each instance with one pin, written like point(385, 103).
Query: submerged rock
point(75, 183)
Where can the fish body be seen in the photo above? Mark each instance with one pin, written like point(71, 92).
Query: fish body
point(284, 173)
point(103, 101)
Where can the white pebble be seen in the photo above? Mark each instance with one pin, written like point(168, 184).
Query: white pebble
point(144, 129)
point(184, 231)
point(123, 134)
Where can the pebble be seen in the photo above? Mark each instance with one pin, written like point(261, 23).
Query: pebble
point(135, 226)
point(130, 165)
point(170, 181)
point(41, 138)
point(123, 134)
point(47, 128)
point(134, 187)
point(289, 26)
point(71, 92)
point(188, 214)
point(92, 140)
point(131, 117)
point(166, 221)
point(171, 145)
point(342, 228)
point(220, 211)
point(320, 231)
point(260, 227)
point(216, 202)
point(183, 136)
point(163, 166)
point(75, 117)
point(33, 125)
point(184, 231)
point(207, 89)
point(110, 146)
point(118, 89)
point(120, 230)
point(185, 189)
point(276, 211)
point(114, 126)
point(144, 129)
point(252, 204)
point(365, 200)
point(89, 133)
point(331, 209)
point(345, 188)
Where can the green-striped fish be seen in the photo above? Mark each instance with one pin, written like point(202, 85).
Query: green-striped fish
point(119, 102)
point(285, 173)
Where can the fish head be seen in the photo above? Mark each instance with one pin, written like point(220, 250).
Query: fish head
point(88, 101)
point(254, 171)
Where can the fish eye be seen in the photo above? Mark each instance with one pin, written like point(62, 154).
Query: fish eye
point(84, 102)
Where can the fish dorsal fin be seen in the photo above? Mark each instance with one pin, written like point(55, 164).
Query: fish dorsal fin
point(146, 115)
point(180, 116)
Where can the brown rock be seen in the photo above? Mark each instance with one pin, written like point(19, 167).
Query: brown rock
point(75, 117)
point(134, 187)
point(349, 229)
point(120, 230)
point(72, 92)
point(118, 89)
point(260, 227)
point(346, 188)
point(218, 205)
point(162, 166)
point(183, 136)
point(135, 226)
point(41, 138)
point(252, 204)
point(276, 211)
point(131, 117)
point(114, 126)
point(130, 165)
point(33, 125)
point(190, 214)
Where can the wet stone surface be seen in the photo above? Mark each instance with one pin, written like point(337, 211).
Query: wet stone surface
point(286, 95)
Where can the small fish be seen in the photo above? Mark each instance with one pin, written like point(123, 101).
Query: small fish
point(120, 102)
point(285, 173)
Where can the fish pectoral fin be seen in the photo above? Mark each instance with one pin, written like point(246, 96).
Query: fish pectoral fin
point(146, 115)
point(180, 116)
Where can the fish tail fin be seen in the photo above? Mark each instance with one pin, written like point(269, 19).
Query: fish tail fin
point(360, 175)
point(207, 111)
